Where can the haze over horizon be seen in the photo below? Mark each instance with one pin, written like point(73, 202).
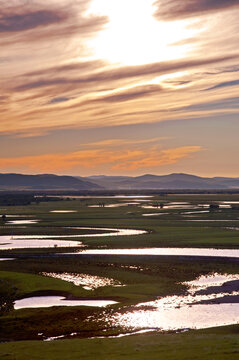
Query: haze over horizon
point(119, 87)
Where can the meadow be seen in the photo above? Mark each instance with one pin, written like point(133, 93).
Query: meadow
point(142, 278)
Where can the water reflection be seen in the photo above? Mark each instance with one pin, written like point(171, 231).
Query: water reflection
point(49, 301)
point(109, 232)
point(21, 242)
point(205, 281)
point(97, 197)
point(156, 214)
point(22, 222)
point(89, 282)
point(7, 259)
point(113, 205)
point(180, 312)
point(63, 211)
point(166, 251)
point(45, 241)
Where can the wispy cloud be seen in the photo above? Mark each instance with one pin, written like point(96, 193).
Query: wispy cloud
point(126, 72)
point(178, 9)
point(126, 159)
point(224, 84)
point(45, 20)
point(28, 20)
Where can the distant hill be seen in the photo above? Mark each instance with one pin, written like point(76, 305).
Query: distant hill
point(101, 182)
point(171, 181)
point(44, 182)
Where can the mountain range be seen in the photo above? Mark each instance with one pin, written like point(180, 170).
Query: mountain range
point(102, 182)
point(44, 182)
point(171, 181)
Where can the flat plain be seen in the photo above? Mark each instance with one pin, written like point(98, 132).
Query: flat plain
point(183, 221)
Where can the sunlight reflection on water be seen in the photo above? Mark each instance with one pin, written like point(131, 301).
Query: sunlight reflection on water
point(184, 312)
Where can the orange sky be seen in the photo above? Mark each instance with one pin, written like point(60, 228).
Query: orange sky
point(119, 86)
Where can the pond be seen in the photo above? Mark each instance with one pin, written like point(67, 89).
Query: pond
point(45, 241)
point(195, 310)
point(113, 205)
point(165, 251)
point(21, 242)
point(22, 222)
point(49, 301)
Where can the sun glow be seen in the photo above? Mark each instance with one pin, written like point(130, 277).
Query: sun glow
point(133, 36)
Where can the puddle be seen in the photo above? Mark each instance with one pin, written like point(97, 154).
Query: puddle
point(110, 232)
point(155, 214)
point(186, 317)
point(176, 207)
point(63, 211)
point(90, 282)
point(7, 259)
point(195, 212)
point(22, 222)
point(114, 205)
point(53, 338)
point(18, 216)
point(217, 220)
point(21, 242)
point(98, 197)
point(165, 251)
point(49, 301)
point(205, 281)
point(183, 312)
point(229, 202)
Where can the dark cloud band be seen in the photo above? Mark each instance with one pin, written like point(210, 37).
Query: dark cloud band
point(177, 9)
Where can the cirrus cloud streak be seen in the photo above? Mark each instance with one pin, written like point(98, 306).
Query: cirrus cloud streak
point(92, 159)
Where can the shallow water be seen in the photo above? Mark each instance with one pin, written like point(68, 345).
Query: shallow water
point(183, 312)
point(45, 241)
point(185, 317)
point(229, 202)
point(21, 242)
point(63, 211)
point(49, 301)
point(7, 259)
point(100, 197)
point(166, 251)
point(195, 212)
point(216, 220)
point(22, 222)
point(110, 232)
point(205, 281)
point(90, 282)
point(114, 205)
point(155, 214)
point(176, 207)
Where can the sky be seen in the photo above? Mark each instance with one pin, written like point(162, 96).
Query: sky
point(119, 87)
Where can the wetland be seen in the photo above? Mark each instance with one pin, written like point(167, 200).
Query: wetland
point(85, 273)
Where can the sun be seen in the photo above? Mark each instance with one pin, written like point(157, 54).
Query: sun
point(133, 36)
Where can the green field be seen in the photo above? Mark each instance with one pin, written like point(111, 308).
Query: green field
point(144, 278)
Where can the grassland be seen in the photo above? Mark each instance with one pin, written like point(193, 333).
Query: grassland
point(144, 277)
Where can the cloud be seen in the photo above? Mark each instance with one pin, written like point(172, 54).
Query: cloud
point(34, 21)
point(28, 20)
point(72, 67)
point(230, 103)
point(124, 72)
point(180, 9)
point(125, 142)
point(157, 158)
point(123, 159)
point(59, 100)
point(130, 94)
point(224, 84)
